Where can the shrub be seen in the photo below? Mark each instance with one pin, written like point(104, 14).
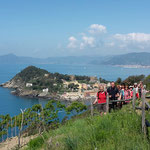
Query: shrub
point(36, 143)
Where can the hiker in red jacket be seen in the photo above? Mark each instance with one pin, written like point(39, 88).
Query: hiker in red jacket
point(101, 100)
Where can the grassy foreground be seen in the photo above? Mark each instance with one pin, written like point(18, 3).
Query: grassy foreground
point(119, 130)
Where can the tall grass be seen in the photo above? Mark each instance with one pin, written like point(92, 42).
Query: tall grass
point(119, 130)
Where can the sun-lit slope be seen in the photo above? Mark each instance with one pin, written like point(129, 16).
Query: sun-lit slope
point(116, 131)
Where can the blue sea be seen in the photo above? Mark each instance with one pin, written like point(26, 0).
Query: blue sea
point(10, 104)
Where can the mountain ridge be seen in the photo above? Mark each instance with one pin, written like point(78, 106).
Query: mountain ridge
point(13, 59)
point(134, 58)
point(142, 58)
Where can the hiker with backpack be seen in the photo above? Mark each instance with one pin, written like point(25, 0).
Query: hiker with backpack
point(140, 89)
point(126, 93)
point(101, 100)
point(136, 90)
point(131, 91)
point(121, 95)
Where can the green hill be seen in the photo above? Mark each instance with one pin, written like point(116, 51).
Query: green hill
point(119, 130)
point(29, 73)
point(31, 81)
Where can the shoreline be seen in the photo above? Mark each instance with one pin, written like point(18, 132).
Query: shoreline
point(58, 97)
point(132, 66)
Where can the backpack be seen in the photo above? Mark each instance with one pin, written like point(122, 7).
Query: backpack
point(104, 92)
point(128, 93)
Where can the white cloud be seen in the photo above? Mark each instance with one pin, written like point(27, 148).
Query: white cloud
point(107, 43)
point(97, 28)
point(140, 41)
point(87, 42)
point(133, 37)
point(72, 42)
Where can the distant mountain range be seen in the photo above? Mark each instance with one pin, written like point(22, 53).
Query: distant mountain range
point(142, 59)
point(13, 59)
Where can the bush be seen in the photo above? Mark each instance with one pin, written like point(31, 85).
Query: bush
point(36, 143)
point(132, 79)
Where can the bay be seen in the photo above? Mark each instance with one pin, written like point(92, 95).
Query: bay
point(10, 104)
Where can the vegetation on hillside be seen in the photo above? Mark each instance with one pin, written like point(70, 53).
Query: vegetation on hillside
point(30, 72)
point(42, 79)
point(103, 80)
point(36, 119)
point(131, 80)
point(135, 79)
point(147, 82)
point(119, 130)
point(82, 79)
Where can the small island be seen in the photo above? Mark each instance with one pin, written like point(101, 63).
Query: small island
point(33, 82)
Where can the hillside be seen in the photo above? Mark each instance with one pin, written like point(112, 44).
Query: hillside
point(34, 82)
point(142, 59)
point(13, 59)
point(119, 130)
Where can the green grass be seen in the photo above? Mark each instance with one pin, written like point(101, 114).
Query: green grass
point(119, 130)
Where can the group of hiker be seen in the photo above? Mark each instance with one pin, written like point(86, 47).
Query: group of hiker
point(119, 92)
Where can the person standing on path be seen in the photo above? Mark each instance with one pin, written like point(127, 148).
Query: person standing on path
point(113, 94)
point(101, 100)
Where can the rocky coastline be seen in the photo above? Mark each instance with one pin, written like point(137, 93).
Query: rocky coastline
point(19, 90)
point(33, 82)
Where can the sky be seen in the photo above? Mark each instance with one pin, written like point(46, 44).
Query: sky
point(51, 28)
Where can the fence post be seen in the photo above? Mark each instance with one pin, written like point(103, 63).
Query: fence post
point(133, 100)
point(143, 112)
point(91, 107)
point(107, 103)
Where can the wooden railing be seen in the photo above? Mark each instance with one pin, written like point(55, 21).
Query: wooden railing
point(145, 106)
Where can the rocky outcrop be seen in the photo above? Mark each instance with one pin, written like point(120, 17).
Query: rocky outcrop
point(25, 93)
point(13, 84)
point(34, 94)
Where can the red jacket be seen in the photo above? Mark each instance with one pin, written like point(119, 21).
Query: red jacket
point(101, 97)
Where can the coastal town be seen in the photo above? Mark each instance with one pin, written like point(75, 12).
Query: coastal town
point(38, 83)
point(83, 90)
point(33, 82)
point(74, 89)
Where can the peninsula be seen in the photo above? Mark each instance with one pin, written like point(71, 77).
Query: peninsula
point(34, 82)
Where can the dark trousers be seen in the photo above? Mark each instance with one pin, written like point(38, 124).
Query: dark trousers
point(113, 106)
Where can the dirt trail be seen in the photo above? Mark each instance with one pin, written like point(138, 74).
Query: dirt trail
point(13, 142)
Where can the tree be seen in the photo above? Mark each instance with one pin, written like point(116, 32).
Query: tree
point(37, 118)
point(147, 82)
point(50, 113)
point(76, 107)
point(3, 130)
point(118, 81)
point(5, 122)
point(103, 80)
point(73, 86)
point(132, 79)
